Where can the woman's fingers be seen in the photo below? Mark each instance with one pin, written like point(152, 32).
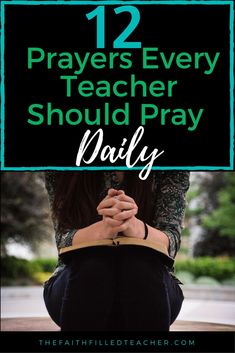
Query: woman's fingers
point(126, 198)
point(123, 205)
point(115, 202)
point(122, 216)
point(106, 203)
point(114, 192)
point(117, 210)
point(122, 227)
point(112, 222)
point(109, 200)
point(119, 213)
point(109, 212)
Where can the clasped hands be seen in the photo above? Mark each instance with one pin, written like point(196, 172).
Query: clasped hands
point(118, 211)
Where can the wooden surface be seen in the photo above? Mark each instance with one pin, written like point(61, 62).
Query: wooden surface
point(45, 324)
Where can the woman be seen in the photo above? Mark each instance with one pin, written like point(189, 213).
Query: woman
point(117, 237)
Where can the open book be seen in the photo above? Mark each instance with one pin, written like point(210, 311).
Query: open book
point(121, 241)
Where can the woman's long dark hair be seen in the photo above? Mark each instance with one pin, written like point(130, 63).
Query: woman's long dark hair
point(77, 195)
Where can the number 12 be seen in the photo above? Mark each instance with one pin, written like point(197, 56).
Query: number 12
point(120, 41)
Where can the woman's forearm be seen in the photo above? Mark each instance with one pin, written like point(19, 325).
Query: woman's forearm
point(100, 230)
point(95, 231)
point(136, 229)
point(158, 236)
